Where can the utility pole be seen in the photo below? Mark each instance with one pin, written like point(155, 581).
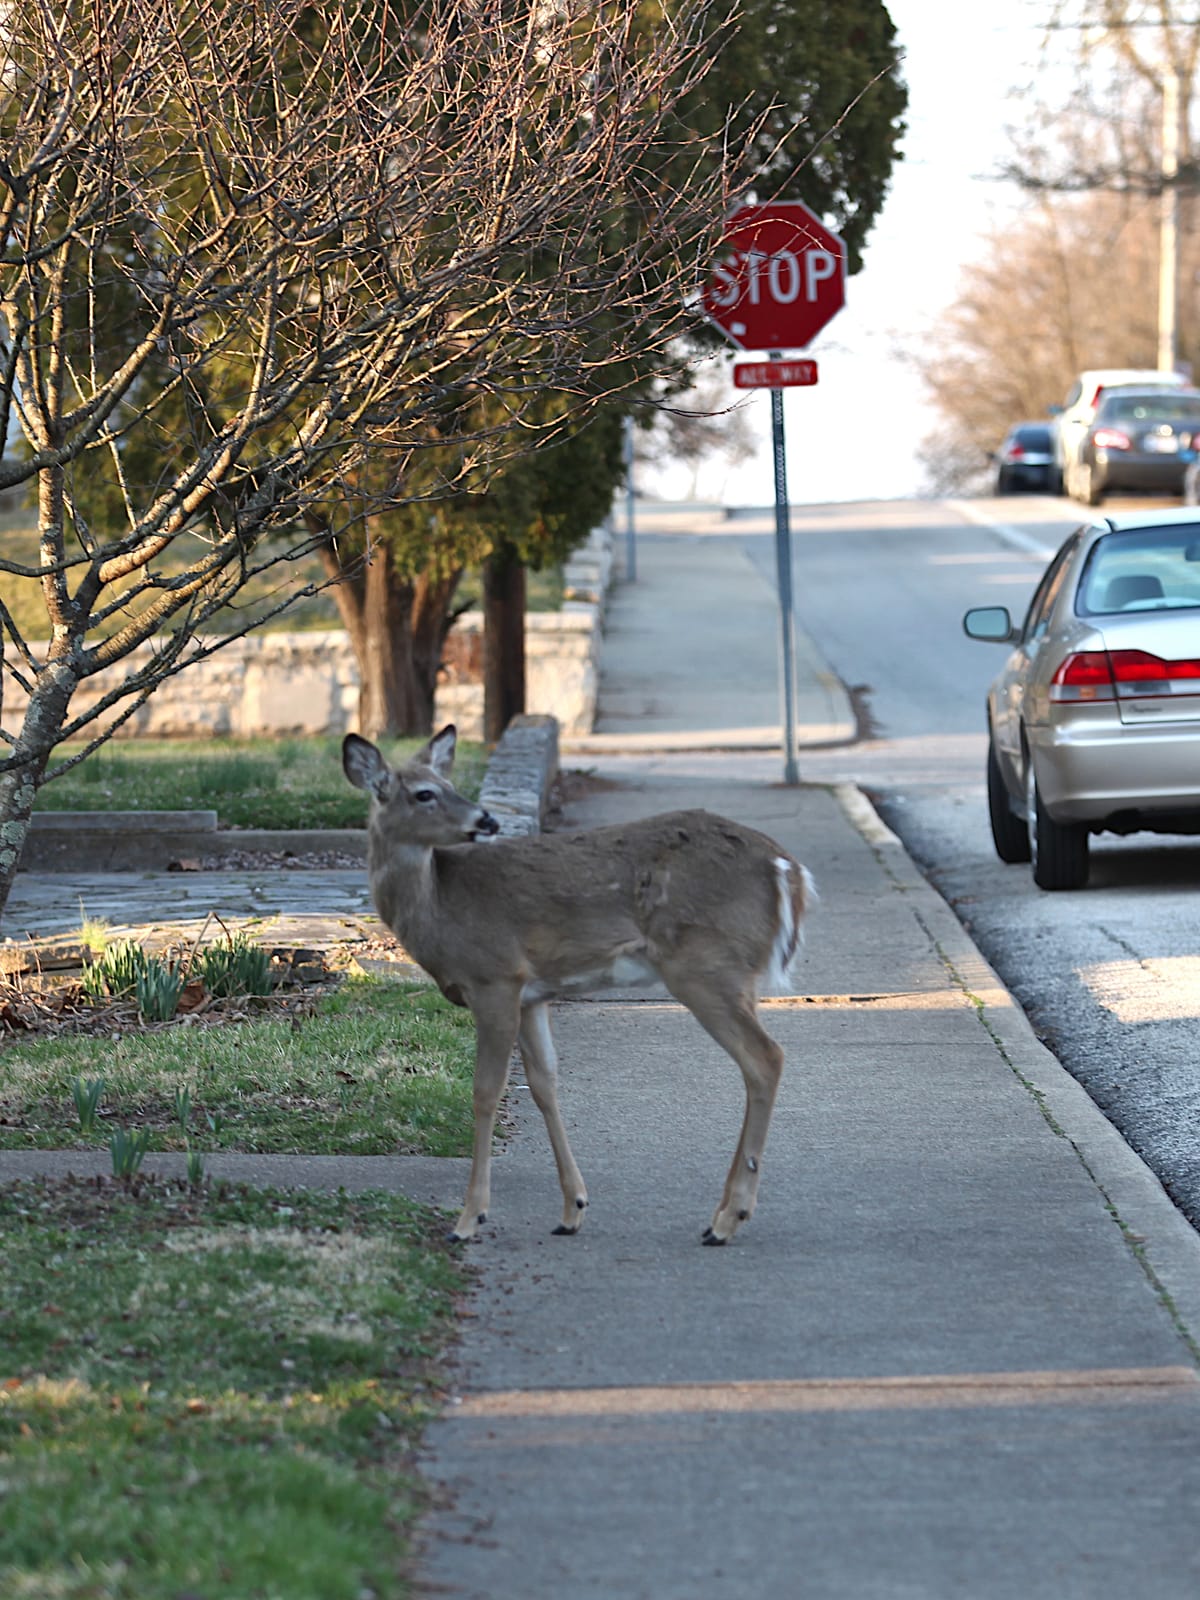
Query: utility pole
point(1168, 230)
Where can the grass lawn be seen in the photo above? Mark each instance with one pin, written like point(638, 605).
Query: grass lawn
point(214, 1391)
point(258, 783)
point(374, 1067)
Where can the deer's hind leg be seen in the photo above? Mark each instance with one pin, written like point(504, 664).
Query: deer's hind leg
point(497, 1015)
point(541, 1071)
point(728, 1013)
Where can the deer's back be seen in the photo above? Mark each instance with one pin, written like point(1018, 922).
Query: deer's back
point(601, 902)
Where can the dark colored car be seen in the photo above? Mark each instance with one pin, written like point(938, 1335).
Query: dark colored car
point(1026, 459)
point(1142, 439)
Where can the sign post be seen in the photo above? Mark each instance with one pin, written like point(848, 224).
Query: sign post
point(783, 567)
point(780, 278)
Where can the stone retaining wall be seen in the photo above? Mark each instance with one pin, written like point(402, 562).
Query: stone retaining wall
point(303, 683)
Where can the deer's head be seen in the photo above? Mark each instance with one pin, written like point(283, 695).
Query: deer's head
point(415, 803)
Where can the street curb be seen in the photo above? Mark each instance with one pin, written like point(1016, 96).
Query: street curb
point(1162, 1238)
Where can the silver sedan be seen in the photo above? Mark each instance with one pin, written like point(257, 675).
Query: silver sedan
point(1094, 720)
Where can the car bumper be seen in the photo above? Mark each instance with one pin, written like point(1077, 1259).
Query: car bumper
point(1097, 775)
point(1121, 471)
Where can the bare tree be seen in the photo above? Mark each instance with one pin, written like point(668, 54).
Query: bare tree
point(259, 256)
point(1106, 132)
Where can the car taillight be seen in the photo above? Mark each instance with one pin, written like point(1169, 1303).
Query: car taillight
point(1137, 672)
point(1093, 675)
point(1110, 439)
point(1085, 676)
point(1015, 452)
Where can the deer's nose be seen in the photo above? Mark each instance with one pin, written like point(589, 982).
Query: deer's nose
point(486, 824)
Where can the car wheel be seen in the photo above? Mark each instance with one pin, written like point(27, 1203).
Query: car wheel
point(1091, 490)
point(1010, 834)
point(1003, 481)
point(1058, 850)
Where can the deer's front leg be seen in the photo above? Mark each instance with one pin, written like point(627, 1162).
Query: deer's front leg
point(497, 1014)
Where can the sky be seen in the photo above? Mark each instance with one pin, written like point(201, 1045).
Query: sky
point(856, 434)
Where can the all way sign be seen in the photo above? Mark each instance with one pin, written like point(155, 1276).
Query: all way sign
point(774, 374)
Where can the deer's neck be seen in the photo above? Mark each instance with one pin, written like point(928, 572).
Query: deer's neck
point(404, 887)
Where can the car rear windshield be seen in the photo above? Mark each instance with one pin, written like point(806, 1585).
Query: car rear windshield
point(1141, 569)
point(1150, 408)
point(1034, 438)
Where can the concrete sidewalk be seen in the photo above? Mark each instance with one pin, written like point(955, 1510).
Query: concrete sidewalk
point(690, 659)
point(953, 1354)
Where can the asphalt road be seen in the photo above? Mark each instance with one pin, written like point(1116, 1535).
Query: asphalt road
point(1109, 976)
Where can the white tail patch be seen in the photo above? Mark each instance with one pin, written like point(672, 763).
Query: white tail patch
point(777, 979)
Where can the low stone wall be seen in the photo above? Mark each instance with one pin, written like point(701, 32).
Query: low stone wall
point(301, 683)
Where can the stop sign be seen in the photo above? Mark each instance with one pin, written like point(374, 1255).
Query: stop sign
point(779, 278)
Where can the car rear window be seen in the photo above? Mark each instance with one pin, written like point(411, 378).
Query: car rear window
point(1033, 438)
point(1141, 569)
point(1149, 408)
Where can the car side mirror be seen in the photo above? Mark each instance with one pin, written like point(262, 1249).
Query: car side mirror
point(990, 623)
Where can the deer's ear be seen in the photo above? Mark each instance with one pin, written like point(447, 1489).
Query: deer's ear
point(439, 752)
point(364, 766)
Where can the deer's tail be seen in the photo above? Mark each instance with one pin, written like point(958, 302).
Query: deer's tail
point(795, 892)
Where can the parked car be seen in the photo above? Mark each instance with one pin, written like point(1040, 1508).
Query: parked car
point(1094, 720)
point(1139, 439)
point(1077, 411)
point(1025, 460)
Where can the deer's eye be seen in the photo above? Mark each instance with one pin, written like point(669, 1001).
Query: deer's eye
point(425, 795)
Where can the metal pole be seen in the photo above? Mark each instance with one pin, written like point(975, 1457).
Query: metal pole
point(783, 560)
point(630, 536)
point(1168, 229)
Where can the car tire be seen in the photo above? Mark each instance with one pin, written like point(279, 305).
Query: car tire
point(1010, 833)
point(1058, 850)
point(1003, 481)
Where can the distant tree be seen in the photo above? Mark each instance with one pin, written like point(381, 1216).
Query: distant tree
point(1105, 131)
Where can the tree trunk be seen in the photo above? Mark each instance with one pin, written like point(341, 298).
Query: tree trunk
point(40, 728)
point(397, 629)
point(503, 642)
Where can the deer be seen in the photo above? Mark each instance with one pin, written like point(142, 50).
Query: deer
point(707, 907)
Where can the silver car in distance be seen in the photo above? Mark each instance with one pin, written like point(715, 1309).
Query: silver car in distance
point(1094, 720)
